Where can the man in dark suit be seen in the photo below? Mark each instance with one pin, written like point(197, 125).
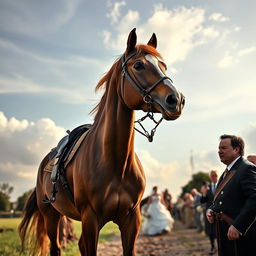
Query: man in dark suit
point(207, 199)
point(234, 202)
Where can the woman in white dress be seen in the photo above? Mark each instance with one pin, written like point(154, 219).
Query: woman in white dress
point(157, 219)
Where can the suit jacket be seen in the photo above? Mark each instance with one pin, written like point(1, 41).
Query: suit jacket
point(207, 200)
point(235, 196)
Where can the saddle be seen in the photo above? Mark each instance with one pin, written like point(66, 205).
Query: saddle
point(61, 156)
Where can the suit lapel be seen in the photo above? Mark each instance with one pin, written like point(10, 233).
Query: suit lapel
point(223, 183)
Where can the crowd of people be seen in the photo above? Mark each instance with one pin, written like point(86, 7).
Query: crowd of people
point(224, 209)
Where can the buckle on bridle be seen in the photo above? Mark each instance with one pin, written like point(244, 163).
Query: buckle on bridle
point(147, 98)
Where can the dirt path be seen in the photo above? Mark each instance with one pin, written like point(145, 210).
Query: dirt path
point(180, 242)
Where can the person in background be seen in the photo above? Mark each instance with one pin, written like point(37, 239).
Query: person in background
point(197, 209)
point(234, 203)
point(188, 210)
point(207, 199)
point(167, 198)
point(158, 219)
point(252, 158)
point(178, 211)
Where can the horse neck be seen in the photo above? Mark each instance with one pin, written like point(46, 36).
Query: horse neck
point(115, 129)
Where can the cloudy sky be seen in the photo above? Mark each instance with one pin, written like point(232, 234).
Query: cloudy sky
point(53, 53)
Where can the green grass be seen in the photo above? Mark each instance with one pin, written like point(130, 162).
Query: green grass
point(10, 242)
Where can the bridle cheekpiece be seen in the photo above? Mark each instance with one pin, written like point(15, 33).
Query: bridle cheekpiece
point(145, 93)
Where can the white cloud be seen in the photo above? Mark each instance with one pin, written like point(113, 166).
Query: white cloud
point(129, 21)
point(227, 60)
point(12, 125)
point(114, 14)
point(29, 17)
point(180, 29)
point(247, 51)
point(19, 84)
point(61, 74)
point(250, 138)
point(10, 46)
point(28, 141)
point(165, 175)
point(218, 17)
point(70, 61)
point(23, 146)
point(211, 32)
point(237, 29)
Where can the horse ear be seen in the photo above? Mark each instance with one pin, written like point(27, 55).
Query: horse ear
point(131, 42)
point(153, 41)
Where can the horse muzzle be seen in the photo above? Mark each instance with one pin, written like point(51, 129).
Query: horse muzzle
point(171, 107)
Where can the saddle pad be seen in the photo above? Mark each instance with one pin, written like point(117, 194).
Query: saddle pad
point(51, 163)
point(49, 166)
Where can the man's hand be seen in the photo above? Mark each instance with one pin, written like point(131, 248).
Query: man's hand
point(233, 233)
point(210, 216)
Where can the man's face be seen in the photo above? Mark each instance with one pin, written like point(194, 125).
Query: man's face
point(214, 177)
point(226, 152)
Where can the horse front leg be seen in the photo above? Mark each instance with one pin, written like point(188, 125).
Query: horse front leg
point(130, 228)
point(90, 233)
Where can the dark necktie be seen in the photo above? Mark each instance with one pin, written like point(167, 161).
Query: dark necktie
point(225, 173)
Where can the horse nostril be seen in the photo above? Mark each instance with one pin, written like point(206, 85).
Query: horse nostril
point(171, 100)
point(183, 101)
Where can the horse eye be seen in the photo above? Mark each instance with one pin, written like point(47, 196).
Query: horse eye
point(138, 65)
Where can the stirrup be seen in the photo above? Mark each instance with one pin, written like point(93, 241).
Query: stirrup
point(53, 197)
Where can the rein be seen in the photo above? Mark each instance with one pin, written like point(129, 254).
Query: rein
point(146, 98)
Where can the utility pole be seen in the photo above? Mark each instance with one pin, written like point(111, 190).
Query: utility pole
point(191, 162)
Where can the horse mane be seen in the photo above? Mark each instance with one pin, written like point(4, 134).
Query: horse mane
point(116, 68)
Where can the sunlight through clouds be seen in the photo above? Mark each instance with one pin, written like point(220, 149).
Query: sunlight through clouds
point(185, 26)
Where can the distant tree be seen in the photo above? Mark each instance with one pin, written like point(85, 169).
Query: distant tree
point(6, 188)
point(5, 191)
point(4, 202)
point(196, 182)
point(22, 200)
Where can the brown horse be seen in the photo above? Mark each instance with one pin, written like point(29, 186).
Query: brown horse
point(106, 176)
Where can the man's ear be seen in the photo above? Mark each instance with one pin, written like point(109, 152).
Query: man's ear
point(237, 149)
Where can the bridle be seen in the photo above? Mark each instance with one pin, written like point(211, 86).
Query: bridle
point(145, 93)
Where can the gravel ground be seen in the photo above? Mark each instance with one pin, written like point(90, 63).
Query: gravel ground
point(180, 242)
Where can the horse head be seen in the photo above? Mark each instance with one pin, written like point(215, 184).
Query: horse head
point(145, 85)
